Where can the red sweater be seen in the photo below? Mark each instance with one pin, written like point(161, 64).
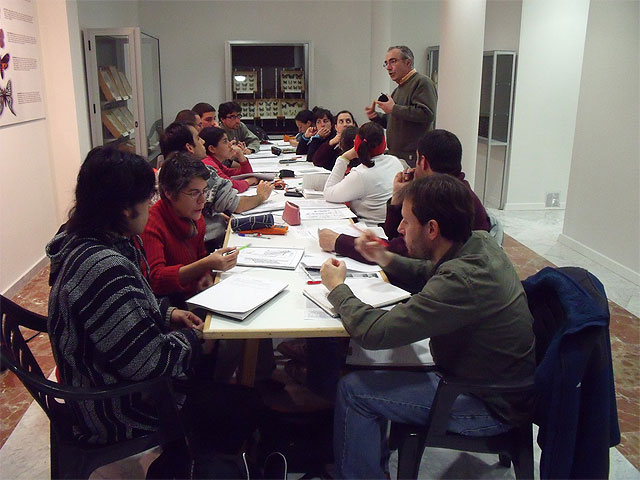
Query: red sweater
point(227, 172)
point(170, 244)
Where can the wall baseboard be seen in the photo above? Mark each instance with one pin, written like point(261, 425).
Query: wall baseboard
point(532, 206)
point(624, 272)
point(28, 275)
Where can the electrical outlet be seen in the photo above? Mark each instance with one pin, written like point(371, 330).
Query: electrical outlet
point(553, 200)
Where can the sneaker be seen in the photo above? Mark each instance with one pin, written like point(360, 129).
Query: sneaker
point(294, 349)
point(297, 371)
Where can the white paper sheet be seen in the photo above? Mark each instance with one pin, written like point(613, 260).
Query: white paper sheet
point(326, 213)
point(317, 259)
point(270, 257)
point(231, 294)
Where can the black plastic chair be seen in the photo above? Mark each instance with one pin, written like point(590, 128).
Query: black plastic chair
point(71, 458)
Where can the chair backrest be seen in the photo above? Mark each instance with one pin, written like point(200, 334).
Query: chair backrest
point(17, 356)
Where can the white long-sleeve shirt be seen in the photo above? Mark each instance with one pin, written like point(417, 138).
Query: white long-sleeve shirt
point(367, 189)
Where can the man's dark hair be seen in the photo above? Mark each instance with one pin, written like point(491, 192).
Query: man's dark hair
point(227, 108)
point(443, 151)
point(212, 136)
point(202, 107)
point(109, 181)
point(187, 116)
point(319, 112)
point(175, 137)
point(178, 170)
point(304, 116)
point(446, 200)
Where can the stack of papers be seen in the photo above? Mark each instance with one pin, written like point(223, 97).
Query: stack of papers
point(237, 296)
point(374, 292)
point(285, 258)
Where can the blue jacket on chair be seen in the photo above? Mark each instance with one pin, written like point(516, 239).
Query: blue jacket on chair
point(576, 408)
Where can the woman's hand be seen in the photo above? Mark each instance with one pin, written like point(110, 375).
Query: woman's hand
point(219, 261)
point(336, 139)
point(324, 132)
point(311, 131)
point(350, 154)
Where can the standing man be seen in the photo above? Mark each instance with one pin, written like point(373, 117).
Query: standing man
point(469, 302)
point(410, 111)
point(237, 132)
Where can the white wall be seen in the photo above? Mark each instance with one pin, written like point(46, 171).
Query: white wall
point(107, 13)
point(602, 217)
point(39, 157)
point(193, 34)
point(546, 99)
point(502, 25)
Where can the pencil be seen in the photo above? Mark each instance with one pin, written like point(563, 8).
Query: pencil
point(382, 242)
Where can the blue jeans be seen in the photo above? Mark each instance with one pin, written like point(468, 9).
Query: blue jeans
point(366, 400)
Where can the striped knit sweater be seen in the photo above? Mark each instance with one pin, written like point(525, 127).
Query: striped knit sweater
point(105, 328)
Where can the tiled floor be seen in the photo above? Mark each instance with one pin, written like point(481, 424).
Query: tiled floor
point(625, 330)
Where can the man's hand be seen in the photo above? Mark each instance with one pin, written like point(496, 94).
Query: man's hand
point(401, 180)
point(218, 261)
point(244, 148)
point(387, 106)
point(333, 272)
point(370, 110)
point(264, 189)
point(184, 318)
point(327, 239)
point(311, 131)
point(371, 249)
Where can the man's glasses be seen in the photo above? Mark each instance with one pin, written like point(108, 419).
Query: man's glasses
point(234, 116)
point(391, 61)
point(196, 194)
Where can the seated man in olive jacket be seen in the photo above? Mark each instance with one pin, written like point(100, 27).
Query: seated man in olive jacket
point(471, 305)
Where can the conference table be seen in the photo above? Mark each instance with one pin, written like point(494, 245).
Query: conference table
point(290, 313)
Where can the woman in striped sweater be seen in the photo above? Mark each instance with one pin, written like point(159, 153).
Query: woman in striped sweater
point(106, 326)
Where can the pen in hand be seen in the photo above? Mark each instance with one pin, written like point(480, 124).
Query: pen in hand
point(382, 242)
point(231, 252)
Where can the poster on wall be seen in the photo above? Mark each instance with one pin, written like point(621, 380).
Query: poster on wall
point(21, 97)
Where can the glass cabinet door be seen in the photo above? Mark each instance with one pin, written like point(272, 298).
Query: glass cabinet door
point(123, 81)
point(113, 104)
point(152, 94)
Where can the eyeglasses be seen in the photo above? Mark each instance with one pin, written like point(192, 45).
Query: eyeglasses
point(391, 61)
point(234, 116)
point(196, 194)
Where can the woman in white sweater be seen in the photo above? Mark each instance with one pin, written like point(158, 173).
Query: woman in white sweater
point(368, 186)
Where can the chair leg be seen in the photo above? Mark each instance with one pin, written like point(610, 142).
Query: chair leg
point(523, 461)
point(410, 450)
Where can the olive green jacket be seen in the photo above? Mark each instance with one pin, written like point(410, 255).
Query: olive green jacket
point(472, 306)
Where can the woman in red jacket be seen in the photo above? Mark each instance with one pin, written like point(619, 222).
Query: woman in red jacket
point(220, 149)
point(174, 235)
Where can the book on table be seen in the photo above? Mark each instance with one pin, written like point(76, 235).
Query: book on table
point(238, 296)
point(372, 291)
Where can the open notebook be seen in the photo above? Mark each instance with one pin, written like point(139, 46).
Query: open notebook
point(373, 291)
point(237, 296)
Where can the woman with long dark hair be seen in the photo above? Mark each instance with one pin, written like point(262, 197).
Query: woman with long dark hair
point(368, 186)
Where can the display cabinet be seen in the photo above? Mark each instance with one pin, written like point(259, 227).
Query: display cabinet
point(494, 126)
point(433, 59)
point(125, 97)
point(270, 81)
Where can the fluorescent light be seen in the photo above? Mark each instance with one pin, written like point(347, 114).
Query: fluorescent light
point(240, 78)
